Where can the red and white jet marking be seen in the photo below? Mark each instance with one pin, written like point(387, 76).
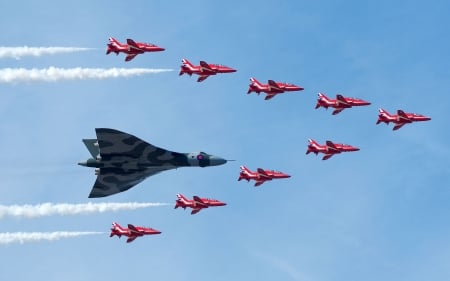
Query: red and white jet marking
point(329, 149)
point(272, 88)
point(340, 103)
point(197, 203)
point(261, 175)
point(400, 119)
point(204, 70)
point(132, 48)
point(132, 232)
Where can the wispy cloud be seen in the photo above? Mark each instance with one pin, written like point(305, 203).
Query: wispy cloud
point(282, 265)
point(49, 209)
point(19, 52)
point(52, 74)
point(25, 237)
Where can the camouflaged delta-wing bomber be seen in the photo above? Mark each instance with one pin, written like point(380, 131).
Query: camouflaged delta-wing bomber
point(123, 161)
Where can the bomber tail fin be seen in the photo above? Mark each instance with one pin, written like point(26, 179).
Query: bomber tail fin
point(92, 146)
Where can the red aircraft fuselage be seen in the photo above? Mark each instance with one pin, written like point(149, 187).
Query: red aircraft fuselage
point(400, 119)
point(132, 48)
point(329, 149)
point(204, 70)
point(132, 232)
point(272, 88)
point(340, 103)
point(261, 175)
point(197, 203)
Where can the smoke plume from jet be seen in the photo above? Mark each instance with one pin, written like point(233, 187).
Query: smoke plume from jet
point(50, 209)
point(19, 52)
point(53, 74)
point(25, 237)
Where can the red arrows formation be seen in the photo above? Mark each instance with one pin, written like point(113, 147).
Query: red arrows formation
point(271, 89)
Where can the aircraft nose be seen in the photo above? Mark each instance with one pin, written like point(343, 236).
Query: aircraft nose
point(215, 161)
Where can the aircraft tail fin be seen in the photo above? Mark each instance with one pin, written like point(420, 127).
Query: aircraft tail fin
point(181, 201)
point(383, 116)
point(113, 42)
point(323, 101)
point(115, 230)
point(180, 196)
point(255, 82)
point(186, 63)
point(186, 67)
point(92, 146)
point(245, 173)
point(313, 146)
point(383, 112)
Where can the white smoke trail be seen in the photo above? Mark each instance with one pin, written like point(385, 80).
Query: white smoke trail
point(24, 237)
point(19, 52)
point(49, 209)
point(52, 74)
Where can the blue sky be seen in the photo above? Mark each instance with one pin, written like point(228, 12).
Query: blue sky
point(377, 214)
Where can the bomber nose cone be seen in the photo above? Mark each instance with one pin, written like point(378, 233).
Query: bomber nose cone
point(215, 161)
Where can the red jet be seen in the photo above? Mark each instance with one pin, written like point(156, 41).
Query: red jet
point(329, 149)
point(272, 88)
point(400, 119)
point(132, 48)
point(204, 70)
point(197, 203)
point(261, 175)
point(340, 103)
point(132, 232)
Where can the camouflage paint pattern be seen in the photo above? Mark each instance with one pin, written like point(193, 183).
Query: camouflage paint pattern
point(123, 160)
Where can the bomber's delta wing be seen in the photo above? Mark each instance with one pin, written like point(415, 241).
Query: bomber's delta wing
point(114, 180)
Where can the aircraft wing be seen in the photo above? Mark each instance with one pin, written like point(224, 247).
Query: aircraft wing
point(332, 146)
point(337, 111)
point(134, 230)
point(341, 100)
point(273, 85)
point(114, 143)
point(195, 211)
point(205, 67)
point(123, 155)
point(258, 183)
point(199, 201)
point(268, 97)
point(202, 77)
point(133, 45)
point(398, 126)
point(263, 174)
point(130, 57)
point(327, 156)
point(131, 239)
point(112, 180)
point(403, 115)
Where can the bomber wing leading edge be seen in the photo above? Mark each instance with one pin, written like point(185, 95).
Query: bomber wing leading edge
point(123, 161)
